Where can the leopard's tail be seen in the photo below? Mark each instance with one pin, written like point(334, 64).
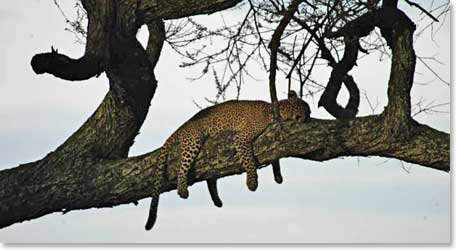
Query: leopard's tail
point(157, 185)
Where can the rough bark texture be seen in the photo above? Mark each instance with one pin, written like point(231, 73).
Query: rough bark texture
point(91, 168)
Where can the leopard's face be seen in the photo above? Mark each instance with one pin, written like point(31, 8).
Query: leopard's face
point(294, 108)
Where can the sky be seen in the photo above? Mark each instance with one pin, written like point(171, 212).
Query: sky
point(345, 200)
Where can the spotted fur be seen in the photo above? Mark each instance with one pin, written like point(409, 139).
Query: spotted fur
point(248, 119)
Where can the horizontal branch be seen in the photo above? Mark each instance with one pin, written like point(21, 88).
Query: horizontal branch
point(166, 9)
point(66, 68)
point(92, 63)
point(36, 189)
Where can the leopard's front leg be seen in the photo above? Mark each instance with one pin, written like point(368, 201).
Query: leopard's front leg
point(244, 147)
point(212, 187)
point(277, 171)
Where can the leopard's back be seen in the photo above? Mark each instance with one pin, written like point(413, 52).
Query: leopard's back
point(237, 116)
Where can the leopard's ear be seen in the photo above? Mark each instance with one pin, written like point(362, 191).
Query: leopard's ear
point(292, 95)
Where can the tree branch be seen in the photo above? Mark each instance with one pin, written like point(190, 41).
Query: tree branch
point(274, 47)
point(65, 67)
point(92, 62)
point(36, 189)
point(422, 9)
point(166, 9)
point(337, 77)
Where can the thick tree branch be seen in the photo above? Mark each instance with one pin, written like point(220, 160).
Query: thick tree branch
point(65, 67)
point(33, 190)
point(155, 42)
point(166, 9)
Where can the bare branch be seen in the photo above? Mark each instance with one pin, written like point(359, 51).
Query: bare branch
point(422, 9)
point(274, 45)
point(433, 72)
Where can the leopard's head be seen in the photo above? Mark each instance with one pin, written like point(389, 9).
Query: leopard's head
point(294, 108)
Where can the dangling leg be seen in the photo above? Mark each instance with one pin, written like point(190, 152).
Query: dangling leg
point(277, 171)
point(244, 148)
point(158, 177)
point(190, 148)
point(212, 188)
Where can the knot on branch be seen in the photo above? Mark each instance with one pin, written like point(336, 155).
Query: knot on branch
point(65, 67)
point(41, 63)
point(328, 98)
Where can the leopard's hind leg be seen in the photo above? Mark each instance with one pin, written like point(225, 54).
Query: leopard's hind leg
point(190, 148)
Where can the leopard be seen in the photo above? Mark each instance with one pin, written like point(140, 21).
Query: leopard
point(247, 119)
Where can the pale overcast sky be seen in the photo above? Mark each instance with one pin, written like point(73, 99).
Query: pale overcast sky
point(343, 200)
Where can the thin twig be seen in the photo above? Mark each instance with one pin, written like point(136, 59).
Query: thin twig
point(422, 9)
